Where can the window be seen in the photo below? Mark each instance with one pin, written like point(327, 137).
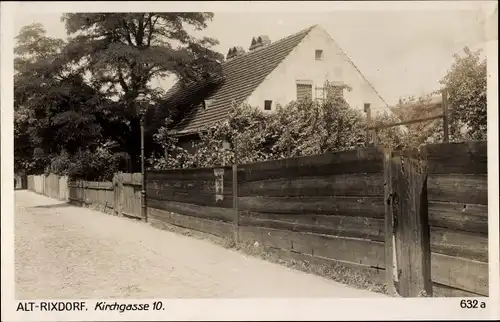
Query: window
point(304, 91)
point(319, 54)
point(268, 105)
point(319, 93)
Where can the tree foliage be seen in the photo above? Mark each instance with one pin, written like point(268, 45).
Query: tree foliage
point(72, 97)
point(54, 109)
point(466, 83)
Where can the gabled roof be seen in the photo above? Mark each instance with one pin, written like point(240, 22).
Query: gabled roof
point(242, 75)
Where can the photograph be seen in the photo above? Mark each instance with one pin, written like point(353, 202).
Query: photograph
point(245, 154)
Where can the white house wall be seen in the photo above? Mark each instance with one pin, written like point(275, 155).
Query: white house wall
point(280, 85)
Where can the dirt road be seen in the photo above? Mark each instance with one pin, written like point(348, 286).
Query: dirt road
point(62, 251)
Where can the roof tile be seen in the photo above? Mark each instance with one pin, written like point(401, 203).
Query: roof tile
point(241, 75)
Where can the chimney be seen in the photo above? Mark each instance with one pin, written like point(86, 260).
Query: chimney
point(262, 40)
point(235, 52)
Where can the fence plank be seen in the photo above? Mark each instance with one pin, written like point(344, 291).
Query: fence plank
point(358, 227)
point(359, 251)
point(331, 185)
point(459, 243)
point(344, 206)
point(469, 189)
point(467, 217)
point(214, 227)
point(461, 273)
point(459, 158)
point(187, 209)
point(439, 290)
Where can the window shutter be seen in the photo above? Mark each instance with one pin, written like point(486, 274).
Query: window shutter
point(304, 91)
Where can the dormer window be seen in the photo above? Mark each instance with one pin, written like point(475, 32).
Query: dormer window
point(319, 54)
point(207, 103)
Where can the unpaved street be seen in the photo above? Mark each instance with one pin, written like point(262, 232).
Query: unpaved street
point(63, 251)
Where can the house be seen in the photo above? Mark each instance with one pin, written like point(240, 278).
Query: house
point(271, 73)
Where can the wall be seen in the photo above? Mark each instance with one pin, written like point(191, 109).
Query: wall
point(280, 85)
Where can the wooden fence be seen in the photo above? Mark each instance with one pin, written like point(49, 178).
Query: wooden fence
point(416, 222)
point(52, 186)
point(121, 196)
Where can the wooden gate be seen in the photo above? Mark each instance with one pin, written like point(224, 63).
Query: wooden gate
point(406, 224)
point(128, 194)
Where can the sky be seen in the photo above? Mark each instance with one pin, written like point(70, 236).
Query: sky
point(401, 52)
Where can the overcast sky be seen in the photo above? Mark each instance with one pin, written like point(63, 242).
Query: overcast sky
point(402, 52)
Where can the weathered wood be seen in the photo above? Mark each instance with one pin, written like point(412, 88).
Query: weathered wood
point(471, 189)
point(461, 273)
point(459, 243)
point(388, 226)
point(439, 290)
point(213, 213)
point(197, 198)
point(344, 206)
point(374, 275)
point(458, 158)
point(194, 174)
point(217, 228)
point(359, 251)
point(368, 160)
point(467, 217)
point(370, 184)
point(187, 185)
point(358, 227)
point(412, 230)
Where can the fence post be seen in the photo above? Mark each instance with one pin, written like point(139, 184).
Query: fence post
point(235, 204)
point(388, 223)
point(412, 242)
point(445, 116)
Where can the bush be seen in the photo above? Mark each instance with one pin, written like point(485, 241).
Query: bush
point(97, 165)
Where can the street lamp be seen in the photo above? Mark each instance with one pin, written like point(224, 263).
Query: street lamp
point(142, 103)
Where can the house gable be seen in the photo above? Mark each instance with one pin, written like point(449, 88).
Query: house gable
point(241, 75)
point(302, 65)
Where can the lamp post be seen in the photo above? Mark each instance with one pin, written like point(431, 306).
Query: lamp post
point(142, 103)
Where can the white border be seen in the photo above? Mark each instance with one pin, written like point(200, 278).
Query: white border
point(249, 309)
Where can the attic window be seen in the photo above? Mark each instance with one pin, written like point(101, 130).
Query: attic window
point(267, 105)
point(319, 54)
point(207, 103)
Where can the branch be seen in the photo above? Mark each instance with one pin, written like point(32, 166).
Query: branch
point(127, 32)
point(151, 29)
point(122, 80)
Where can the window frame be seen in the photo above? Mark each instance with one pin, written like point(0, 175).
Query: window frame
point(270, 105)
point(321, 54)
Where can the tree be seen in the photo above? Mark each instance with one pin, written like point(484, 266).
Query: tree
point(53, 108)
point(466, 84)
point(122, 52)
